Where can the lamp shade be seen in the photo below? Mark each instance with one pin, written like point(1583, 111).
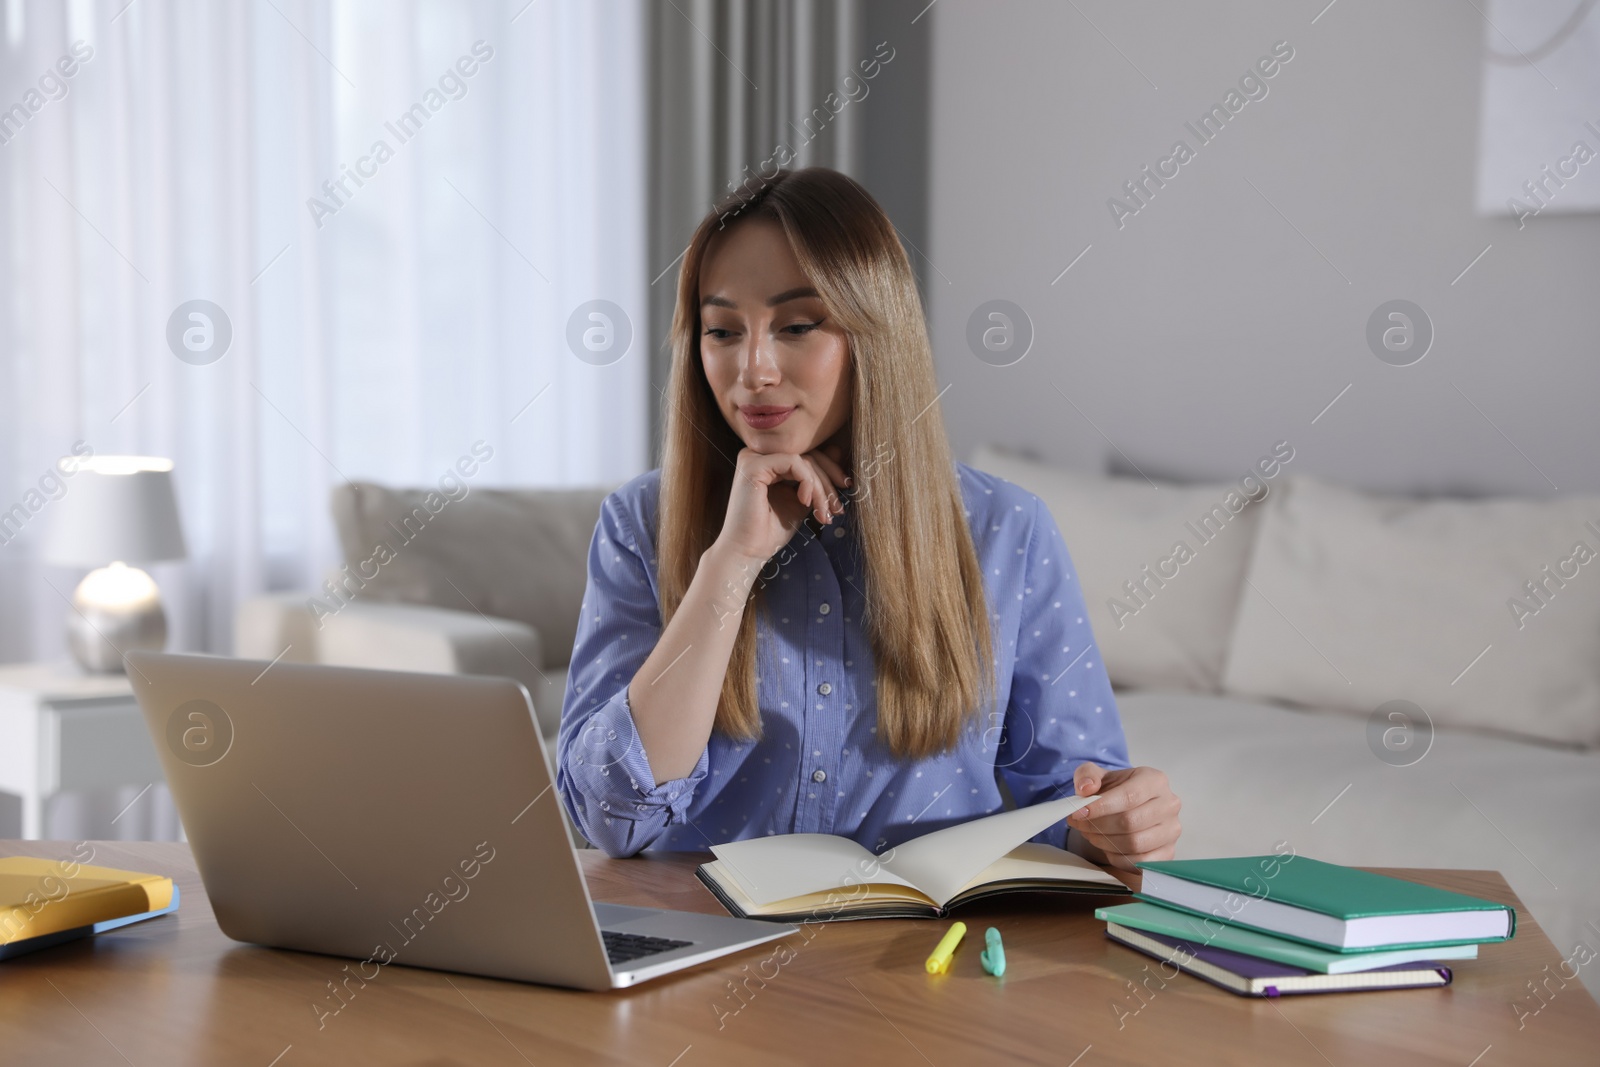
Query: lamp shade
point(116, 508)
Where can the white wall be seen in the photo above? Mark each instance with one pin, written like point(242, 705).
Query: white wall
point(1207, 328)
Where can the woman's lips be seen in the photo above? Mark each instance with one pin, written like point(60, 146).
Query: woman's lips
point(764, 416)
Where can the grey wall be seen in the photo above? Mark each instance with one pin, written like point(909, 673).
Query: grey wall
point(1208, 328)
point(892, 154)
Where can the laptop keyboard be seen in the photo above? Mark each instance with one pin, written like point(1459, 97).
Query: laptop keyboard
point(624, 947)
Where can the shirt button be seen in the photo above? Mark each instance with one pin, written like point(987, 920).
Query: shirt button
point(819, 775)
point(824, 688)
point(838, 531)
point(824, 609)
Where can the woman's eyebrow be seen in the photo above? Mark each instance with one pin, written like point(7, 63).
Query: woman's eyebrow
point(772, 301)
point(790, 294)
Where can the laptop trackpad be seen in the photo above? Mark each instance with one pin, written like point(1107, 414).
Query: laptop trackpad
point(621, 916)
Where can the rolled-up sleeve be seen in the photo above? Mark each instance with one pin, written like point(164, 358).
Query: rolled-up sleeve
point(602, 771)
point(1062, 711)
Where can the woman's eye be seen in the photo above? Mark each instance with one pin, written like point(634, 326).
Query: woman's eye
point(802, 327)
point(717, 331)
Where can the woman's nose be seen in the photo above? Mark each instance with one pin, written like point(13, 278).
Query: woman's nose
point(760, 364)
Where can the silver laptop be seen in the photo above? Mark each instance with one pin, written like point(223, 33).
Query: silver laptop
point(396, 818)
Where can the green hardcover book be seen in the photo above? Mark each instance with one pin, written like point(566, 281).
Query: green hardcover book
point(1158, 919)
point(1324, 904)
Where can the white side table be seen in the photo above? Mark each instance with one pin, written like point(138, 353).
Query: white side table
point(61, 729)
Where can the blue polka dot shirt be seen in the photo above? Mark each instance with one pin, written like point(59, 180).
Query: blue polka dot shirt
point(819, 766)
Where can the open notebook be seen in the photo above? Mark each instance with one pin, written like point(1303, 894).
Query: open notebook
point(817, 877)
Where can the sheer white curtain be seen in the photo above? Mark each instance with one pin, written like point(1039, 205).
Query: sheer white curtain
point(389, 307)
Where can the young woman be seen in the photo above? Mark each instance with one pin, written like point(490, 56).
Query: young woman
point(810, 619)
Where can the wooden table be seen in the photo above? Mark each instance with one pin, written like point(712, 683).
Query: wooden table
point(176, 991)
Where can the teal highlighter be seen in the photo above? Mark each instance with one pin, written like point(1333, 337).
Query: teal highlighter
point(993, 957)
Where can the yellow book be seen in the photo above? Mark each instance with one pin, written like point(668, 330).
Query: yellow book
point(45, 896)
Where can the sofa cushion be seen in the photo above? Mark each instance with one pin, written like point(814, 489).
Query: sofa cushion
point(506, 553)
point(1484, 613)
point(1173, 633)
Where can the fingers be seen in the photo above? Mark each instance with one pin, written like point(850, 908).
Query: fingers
point(833, 503)
point(1148, 832)
point(830, 466)
point(766, 469)
point(1133, 820)
point(1123, 790)
point(1148, 816)
point(816, 491)
point(1155, 842)
point(825, 503)
point(1129, 861)
point(814, 474)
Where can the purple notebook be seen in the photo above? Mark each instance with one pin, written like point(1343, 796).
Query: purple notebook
point(1252, 976)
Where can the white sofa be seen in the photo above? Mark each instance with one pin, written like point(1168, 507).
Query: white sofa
point(1252, 774)
point(488, 583)
point(1259, 674)
point(1252, 674)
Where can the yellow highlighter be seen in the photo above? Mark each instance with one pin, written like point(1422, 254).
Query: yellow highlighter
point(939, 962)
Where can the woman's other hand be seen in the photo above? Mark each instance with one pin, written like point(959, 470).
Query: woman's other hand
point(1134, 817)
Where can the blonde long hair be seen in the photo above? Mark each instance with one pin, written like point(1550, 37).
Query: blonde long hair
point(927, 614)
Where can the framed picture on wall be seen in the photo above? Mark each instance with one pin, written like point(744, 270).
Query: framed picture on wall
point(1539, 121)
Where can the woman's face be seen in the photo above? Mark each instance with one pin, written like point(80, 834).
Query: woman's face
point(778, 365)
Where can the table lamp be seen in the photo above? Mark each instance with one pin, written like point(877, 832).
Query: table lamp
point(117, 511)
